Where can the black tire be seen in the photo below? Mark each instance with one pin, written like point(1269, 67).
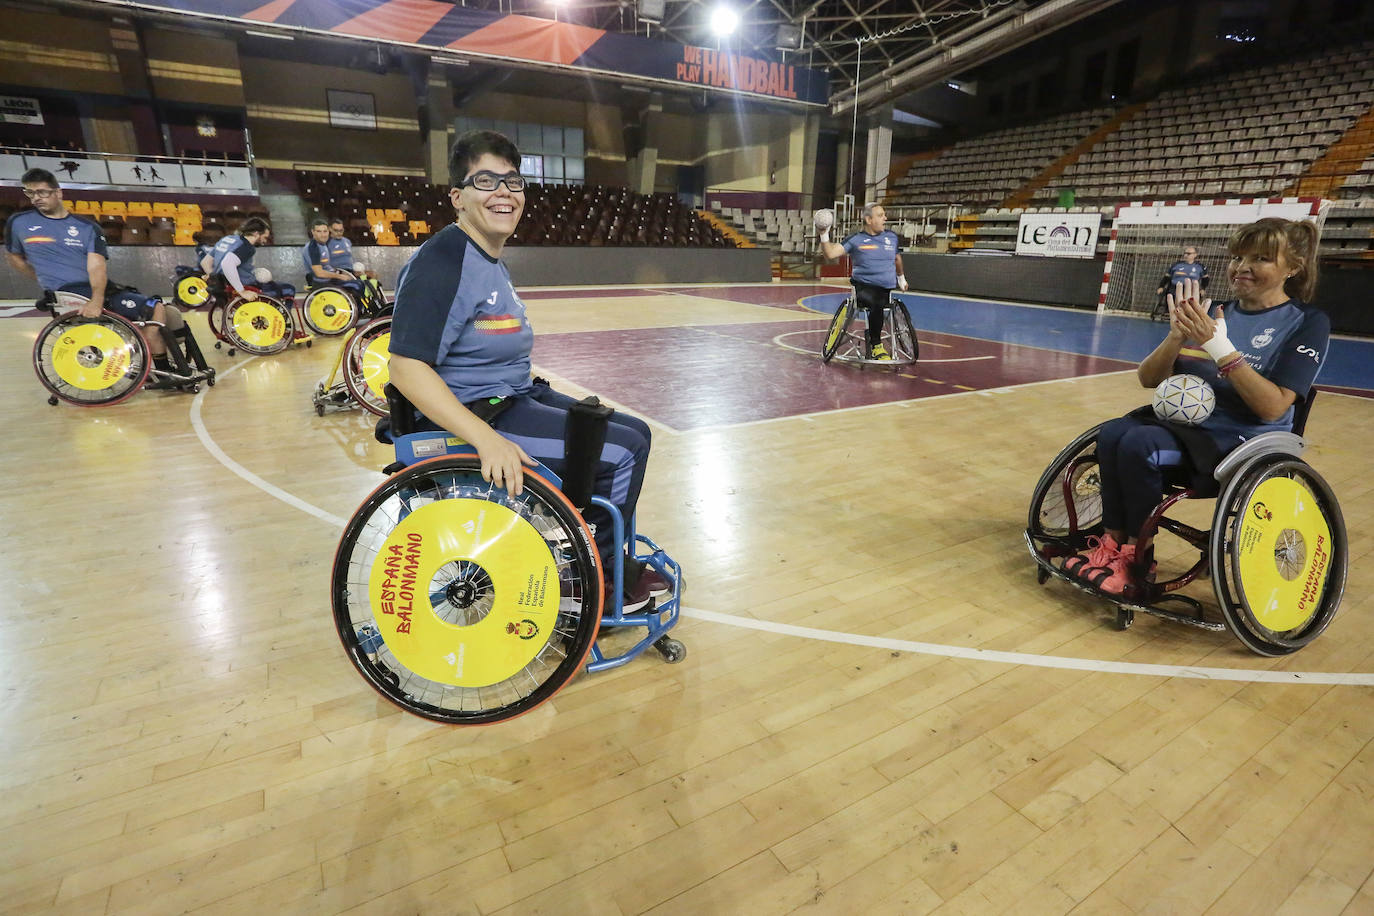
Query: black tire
point(905, 347)
point(357, 366)
point(1067, 503)
point(839, 327)
point(91, 362)
point(1307, 546)
point(460, 594)
point(261, 327)
point(329, 311)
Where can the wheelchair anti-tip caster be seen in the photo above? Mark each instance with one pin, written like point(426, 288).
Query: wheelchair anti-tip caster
point(52, 400)
point(1042, 575)
point(1124, 617)
point(671, 649)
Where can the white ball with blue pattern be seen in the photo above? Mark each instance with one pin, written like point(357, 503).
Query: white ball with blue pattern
point(1184, 399)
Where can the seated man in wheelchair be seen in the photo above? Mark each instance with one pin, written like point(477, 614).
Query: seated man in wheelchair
point(460, 352)
point(318, 260)
point(1188, 268)
point(876, 255)
point(232, 259)
point(1260, 352)
point(67, 253)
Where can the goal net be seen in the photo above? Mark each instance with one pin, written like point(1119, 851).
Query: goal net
point(1147, 239)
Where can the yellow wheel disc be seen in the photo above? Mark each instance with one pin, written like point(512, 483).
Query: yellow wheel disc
point(377, 364)
point(836, 329)
point(1283, 554)
point(515, 586)
point(192, 291)
point(330, 310)
point(259, 324)
point(92, 357)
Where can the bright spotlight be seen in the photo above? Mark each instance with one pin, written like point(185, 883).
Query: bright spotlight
point(724, 20)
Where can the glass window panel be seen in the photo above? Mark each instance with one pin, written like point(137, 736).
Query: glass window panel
point(553, 139)
point(553, 166)
point(531, 139)
point(572, 141)
point(573, 169)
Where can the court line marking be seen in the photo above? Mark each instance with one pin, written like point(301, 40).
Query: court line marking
point(925, 343)
point(1195, 672)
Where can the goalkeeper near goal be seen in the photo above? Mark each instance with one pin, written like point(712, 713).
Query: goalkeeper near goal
point(1188, 268)
point(876, 256)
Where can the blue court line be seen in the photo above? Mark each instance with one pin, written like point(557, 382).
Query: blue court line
point(1349, 362)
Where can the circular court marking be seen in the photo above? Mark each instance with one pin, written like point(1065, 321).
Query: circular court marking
point(816, 351)
point(1194, 672)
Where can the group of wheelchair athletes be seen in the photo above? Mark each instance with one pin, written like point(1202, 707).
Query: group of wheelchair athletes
point(459, 368)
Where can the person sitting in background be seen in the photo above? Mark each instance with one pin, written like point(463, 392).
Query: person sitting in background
point(320, 267)
point(232, 258)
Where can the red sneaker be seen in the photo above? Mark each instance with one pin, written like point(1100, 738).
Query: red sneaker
point(1103, 551)
point(1118, 577)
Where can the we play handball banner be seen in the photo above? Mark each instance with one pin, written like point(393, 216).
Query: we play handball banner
point(445, 27)
point(1058, 235)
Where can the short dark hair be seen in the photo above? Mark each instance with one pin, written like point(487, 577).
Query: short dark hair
point(336, 219)
point(39, 176)
point(471, 146)
point(254, 224)
point(318, 221)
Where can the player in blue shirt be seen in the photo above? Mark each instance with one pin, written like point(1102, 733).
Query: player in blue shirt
point(232, 257)
point(1280, 343)
point(340, 248)
point(67, 253)
point(320, 268)
point(1189, 268)
point(876, 258)
point(460, 350)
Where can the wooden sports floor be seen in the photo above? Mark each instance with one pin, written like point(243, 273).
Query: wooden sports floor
point(880, 711)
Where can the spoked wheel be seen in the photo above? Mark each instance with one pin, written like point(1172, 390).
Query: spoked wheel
point(901, 335)
point(191, 291)
point(261, 327)
point(328, 311)
point(366, 365)
point(1278, 554)
point(90, 361)
point(839, 328)
point(461, 603)
point(1067, 503)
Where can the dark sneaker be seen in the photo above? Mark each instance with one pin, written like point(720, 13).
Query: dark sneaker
point(636, 596)
point(658, 585)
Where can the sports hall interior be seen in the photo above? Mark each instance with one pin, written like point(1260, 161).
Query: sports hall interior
point(880, 709)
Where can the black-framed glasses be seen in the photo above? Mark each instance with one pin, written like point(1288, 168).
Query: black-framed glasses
point(490, 181)
point(45, 193)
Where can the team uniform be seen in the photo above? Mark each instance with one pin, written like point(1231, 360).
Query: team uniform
point(873, 275)
point(1181, 271)
point(341, 253)
point(56, 249)
point(457, 311)
point(1286, 344)
point(313, 254)
point(243, 251)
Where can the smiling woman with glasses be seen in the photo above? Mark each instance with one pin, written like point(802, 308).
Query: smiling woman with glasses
point(460, 352)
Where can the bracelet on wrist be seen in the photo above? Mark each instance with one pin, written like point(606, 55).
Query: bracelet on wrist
point(1230, 365)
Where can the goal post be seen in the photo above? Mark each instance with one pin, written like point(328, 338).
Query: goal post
point(1147, 238)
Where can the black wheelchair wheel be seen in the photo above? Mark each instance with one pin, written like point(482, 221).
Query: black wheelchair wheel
point(902, 334)
point(91, 362)
point(1067, 502)
point(1278, 554)
point(461, 603)
point(366, 365)
point(839, 327)
point(328, 311)
point(261, 327)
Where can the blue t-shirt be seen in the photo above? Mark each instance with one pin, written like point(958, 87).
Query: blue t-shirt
point(56, 249)
point(1286, 344)
point(240, 246)
point(457, 311)
point(313, 253)
point(1182, 270)
point(874, 257)
point(341, 253)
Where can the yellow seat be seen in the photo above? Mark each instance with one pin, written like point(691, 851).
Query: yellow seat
point(140, 208)
point(113, 208)
point(419, 227)
point(395, 216)
point(188, 209)
point(163, 208)
point(183, 237)
point(85, 206)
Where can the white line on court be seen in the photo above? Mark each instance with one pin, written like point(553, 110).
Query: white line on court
point(925, 343)
point(1246, 675)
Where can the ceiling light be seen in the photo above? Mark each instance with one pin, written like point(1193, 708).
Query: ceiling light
point(724, 20)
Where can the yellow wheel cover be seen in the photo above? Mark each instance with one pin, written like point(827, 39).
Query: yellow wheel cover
point(330, 310)
point(1283, 554)
point(92, 357)
point(524, 591)
point(259, 323)
point(377, 364)
point(836, 329)
point(192, 291)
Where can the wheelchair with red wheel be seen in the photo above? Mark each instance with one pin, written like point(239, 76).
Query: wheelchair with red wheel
point(462, 603)
point(1276, 549)
point(261, 326)
point(95, 362)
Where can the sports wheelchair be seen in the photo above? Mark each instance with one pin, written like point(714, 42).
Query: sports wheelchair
point(464, 604)
point(1276, 550)
point(848, 344)
point(261, 327)
point(332, 309)
point(361, 371)
point(93, 362)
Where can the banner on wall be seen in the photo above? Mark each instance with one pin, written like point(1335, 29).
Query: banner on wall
point(19, 109)
point(440, 25)
point(1058, 235)
point(93, 171)
point(356, 110)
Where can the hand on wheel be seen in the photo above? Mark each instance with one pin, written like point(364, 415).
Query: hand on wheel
point(502, 462)
point(90, 309)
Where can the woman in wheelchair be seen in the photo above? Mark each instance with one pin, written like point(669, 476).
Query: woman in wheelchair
point(460, 352)
point(1260, 352)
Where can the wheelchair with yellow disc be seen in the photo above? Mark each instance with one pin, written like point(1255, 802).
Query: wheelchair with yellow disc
point(846, 342)
point(331, 309)
point(361, 371)
point(261, 326)
point(97, 362)
point(1276, 549)
point(462, 603)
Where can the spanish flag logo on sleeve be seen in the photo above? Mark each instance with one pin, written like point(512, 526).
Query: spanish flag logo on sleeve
point(497, 324)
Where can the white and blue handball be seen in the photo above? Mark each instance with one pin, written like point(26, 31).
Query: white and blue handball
point(1184, 399)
